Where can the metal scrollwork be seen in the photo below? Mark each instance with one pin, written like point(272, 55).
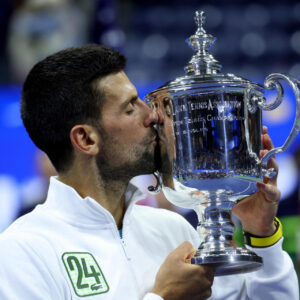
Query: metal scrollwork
point(271, 82)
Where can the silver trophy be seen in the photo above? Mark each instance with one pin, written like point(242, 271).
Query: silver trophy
point(215, 143)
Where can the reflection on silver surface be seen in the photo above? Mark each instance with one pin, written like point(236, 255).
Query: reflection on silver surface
point(216, 139)
point(217, 120)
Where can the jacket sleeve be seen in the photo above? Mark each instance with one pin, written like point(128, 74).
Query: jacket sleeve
point(277, 278)
point(23, 275)
point(151, 296)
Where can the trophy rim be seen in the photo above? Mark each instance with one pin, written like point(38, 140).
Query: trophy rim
point(208, 81)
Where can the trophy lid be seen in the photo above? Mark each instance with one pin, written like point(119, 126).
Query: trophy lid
point(203, 70)
point(202, 62)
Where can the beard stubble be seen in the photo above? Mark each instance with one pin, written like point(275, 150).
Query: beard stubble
point(142, 159)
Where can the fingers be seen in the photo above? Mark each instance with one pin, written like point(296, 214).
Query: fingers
point(202, 277)
point(207, 279)
point(189, 257)
point(268, 145)
point(272, 164)
point(265, 129)
point(262, 153)
point(266, 141)
point(209, 272)
point(179, 280)
point(271, 192)
point(184, 252)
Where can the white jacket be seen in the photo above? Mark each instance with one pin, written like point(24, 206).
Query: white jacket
point(70, 247)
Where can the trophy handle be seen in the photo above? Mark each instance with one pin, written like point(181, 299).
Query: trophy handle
point(271, 82)
point(157, 188)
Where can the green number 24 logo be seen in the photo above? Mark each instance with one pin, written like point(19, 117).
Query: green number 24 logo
point(85, 274)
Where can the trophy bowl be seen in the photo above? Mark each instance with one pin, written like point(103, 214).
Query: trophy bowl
point(211, 146)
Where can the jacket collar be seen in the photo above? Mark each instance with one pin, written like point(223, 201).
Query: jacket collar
point(64, 201)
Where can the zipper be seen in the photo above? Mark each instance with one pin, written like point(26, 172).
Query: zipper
point(124, 248)
point(130, 266)
point(121, 240)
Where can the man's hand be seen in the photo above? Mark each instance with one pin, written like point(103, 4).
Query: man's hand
point(177, 279)
point(257, 212)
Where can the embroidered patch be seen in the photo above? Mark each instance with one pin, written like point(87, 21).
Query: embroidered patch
point(85, 274)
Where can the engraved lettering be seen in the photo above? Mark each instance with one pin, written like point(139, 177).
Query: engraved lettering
point(192, 131)
point(224, 118)
point(181, 108)
point(210, 105)
point(198, 105)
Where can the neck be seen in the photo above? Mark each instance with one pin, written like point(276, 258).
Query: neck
point(111, 195)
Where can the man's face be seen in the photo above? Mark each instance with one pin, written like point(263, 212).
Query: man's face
point(163, 105)
point(128, 142)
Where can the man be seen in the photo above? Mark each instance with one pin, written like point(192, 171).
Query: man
point(89, 238)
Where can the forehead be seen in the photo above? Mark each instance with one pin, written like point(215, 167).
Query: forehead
point(117, 88)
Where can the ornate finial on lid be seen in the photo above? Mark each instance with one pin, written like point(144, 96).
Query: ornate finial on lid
point(202, 61)
point(200, 20)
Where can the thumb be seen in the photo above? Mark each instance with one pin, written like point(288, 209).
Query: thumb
point(271, 192)
point(184, 252)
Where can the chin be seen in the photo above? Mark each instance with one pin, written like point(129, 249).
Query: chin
point(145, 165)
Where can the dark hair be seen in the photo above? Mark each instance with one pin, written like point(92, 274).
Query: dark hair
point(59, 92)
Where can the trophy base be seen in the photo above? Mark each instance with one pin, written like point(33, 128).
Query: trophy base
point(229, 261)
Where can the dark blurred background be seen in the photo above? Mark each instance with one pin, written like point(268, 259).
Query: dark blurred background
point(254, 39)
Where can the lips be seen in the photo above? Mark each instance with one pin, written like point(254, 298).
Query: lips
point(155, 138)
point(159, 139)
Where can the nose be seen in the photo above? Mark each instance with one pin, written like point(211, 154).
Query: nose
point(153, 117)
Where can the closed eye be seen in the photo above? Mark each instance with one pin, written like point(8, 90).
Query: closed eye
point(130, 105)
point(168, 106)
point(129, 112)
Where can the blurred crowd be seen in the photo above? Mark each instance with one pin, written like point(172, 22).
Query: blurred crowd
point(254, 38)
point(34, 29)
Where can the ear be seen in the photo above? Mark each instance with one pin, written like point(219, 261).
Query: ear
point(85, 138)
